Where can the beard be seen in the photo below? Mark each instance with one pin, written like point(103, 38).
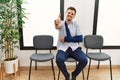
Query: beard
point(69, 19)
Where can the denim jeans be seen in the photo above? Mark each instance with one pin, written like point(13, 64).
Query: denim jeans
point(78, 55)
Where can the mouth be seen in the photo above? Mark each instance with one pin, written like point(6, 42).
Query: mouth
point(69, 17)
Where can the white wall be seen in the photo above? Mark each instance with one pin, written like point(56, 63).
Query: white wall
point(85, 13)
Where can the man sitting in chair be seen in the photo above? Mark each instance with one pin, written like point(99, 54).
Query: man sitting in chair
point(68, 44)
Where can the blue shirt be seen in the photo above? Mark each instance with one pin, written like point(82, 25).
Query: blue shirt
point(70, 41)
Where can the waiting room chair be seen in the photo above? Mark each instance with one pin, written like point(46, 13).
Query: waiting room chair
point(42, 42)
point(70, 59)
point(94, 43)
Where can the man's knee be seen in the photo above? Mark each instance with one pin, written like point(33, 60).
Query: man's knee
point(59, 60)
point(84, 61)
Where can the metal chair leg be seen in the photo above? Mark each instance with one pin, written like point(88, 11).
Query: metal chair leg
point(30, 70)
point(88, 69)
point(59, 74)
point(110, 69)
point(53, 69)
point(83, 75)
point(35, 65)
point(98, 64)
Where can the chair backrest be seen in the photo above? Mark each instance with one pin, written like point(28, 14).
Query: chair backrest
point(93, 41)
point(43, 42)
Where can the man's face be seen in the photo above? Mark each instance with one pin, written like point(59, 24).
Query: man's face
point(70, 14)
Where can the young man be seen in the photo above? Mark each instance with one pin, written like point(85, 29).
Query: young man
point(68, 44)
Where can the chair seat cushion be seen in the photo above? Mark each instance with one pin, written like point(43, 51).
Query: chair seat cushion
point(42, 57)
point(70, 60)
point(98, 56)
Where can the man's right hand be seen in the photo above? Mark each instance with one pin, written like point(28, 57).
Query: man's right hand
point(58, 22)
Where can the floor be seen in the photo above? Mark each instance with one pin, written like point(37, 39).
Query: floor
point(46, 74)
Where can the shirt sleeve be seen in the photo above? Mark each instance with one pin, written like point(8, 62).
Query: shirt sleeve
point(77, 29)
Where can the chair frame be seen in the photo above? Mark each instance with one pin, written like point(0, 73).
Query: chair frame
point(41, 61)
point(99, 48)
point(98, 65)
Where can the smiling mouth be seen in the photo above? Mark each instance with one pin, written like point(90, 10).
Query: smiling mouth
point(69, 16)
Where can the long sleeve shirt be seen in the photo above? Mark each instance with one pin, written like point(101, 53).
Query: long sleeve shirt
point(72, 40)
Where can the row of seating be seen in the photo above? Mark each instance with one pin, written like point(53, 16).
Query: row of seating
point(45, 42)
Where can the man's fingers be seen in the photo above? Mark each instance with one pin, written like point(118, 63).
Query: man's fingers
point(59, 16)
point(58, 20)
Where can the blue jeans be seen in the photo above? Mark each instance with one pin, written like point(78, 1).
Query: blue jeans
point(78, 55)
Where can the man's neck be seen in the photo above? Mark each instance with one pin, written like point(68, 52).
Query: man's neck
point(68, 22)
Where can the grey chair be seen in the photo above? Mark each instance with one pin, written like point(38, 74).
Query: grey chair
point(70, 59)
point(95, 42)
point(42, 42)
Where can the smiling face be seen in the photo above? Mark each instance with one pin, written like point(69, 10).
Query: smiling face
point(70, 14)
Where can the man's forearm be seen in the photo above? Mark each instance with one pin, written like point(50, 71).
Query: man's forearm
point(78, 38)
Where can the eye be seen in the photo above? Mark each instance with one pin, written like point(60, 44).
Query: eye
point(72, 14)
point(68, 12)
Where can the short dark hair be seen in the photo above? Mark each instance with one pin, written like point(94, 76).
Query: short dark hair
point(71, 8)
